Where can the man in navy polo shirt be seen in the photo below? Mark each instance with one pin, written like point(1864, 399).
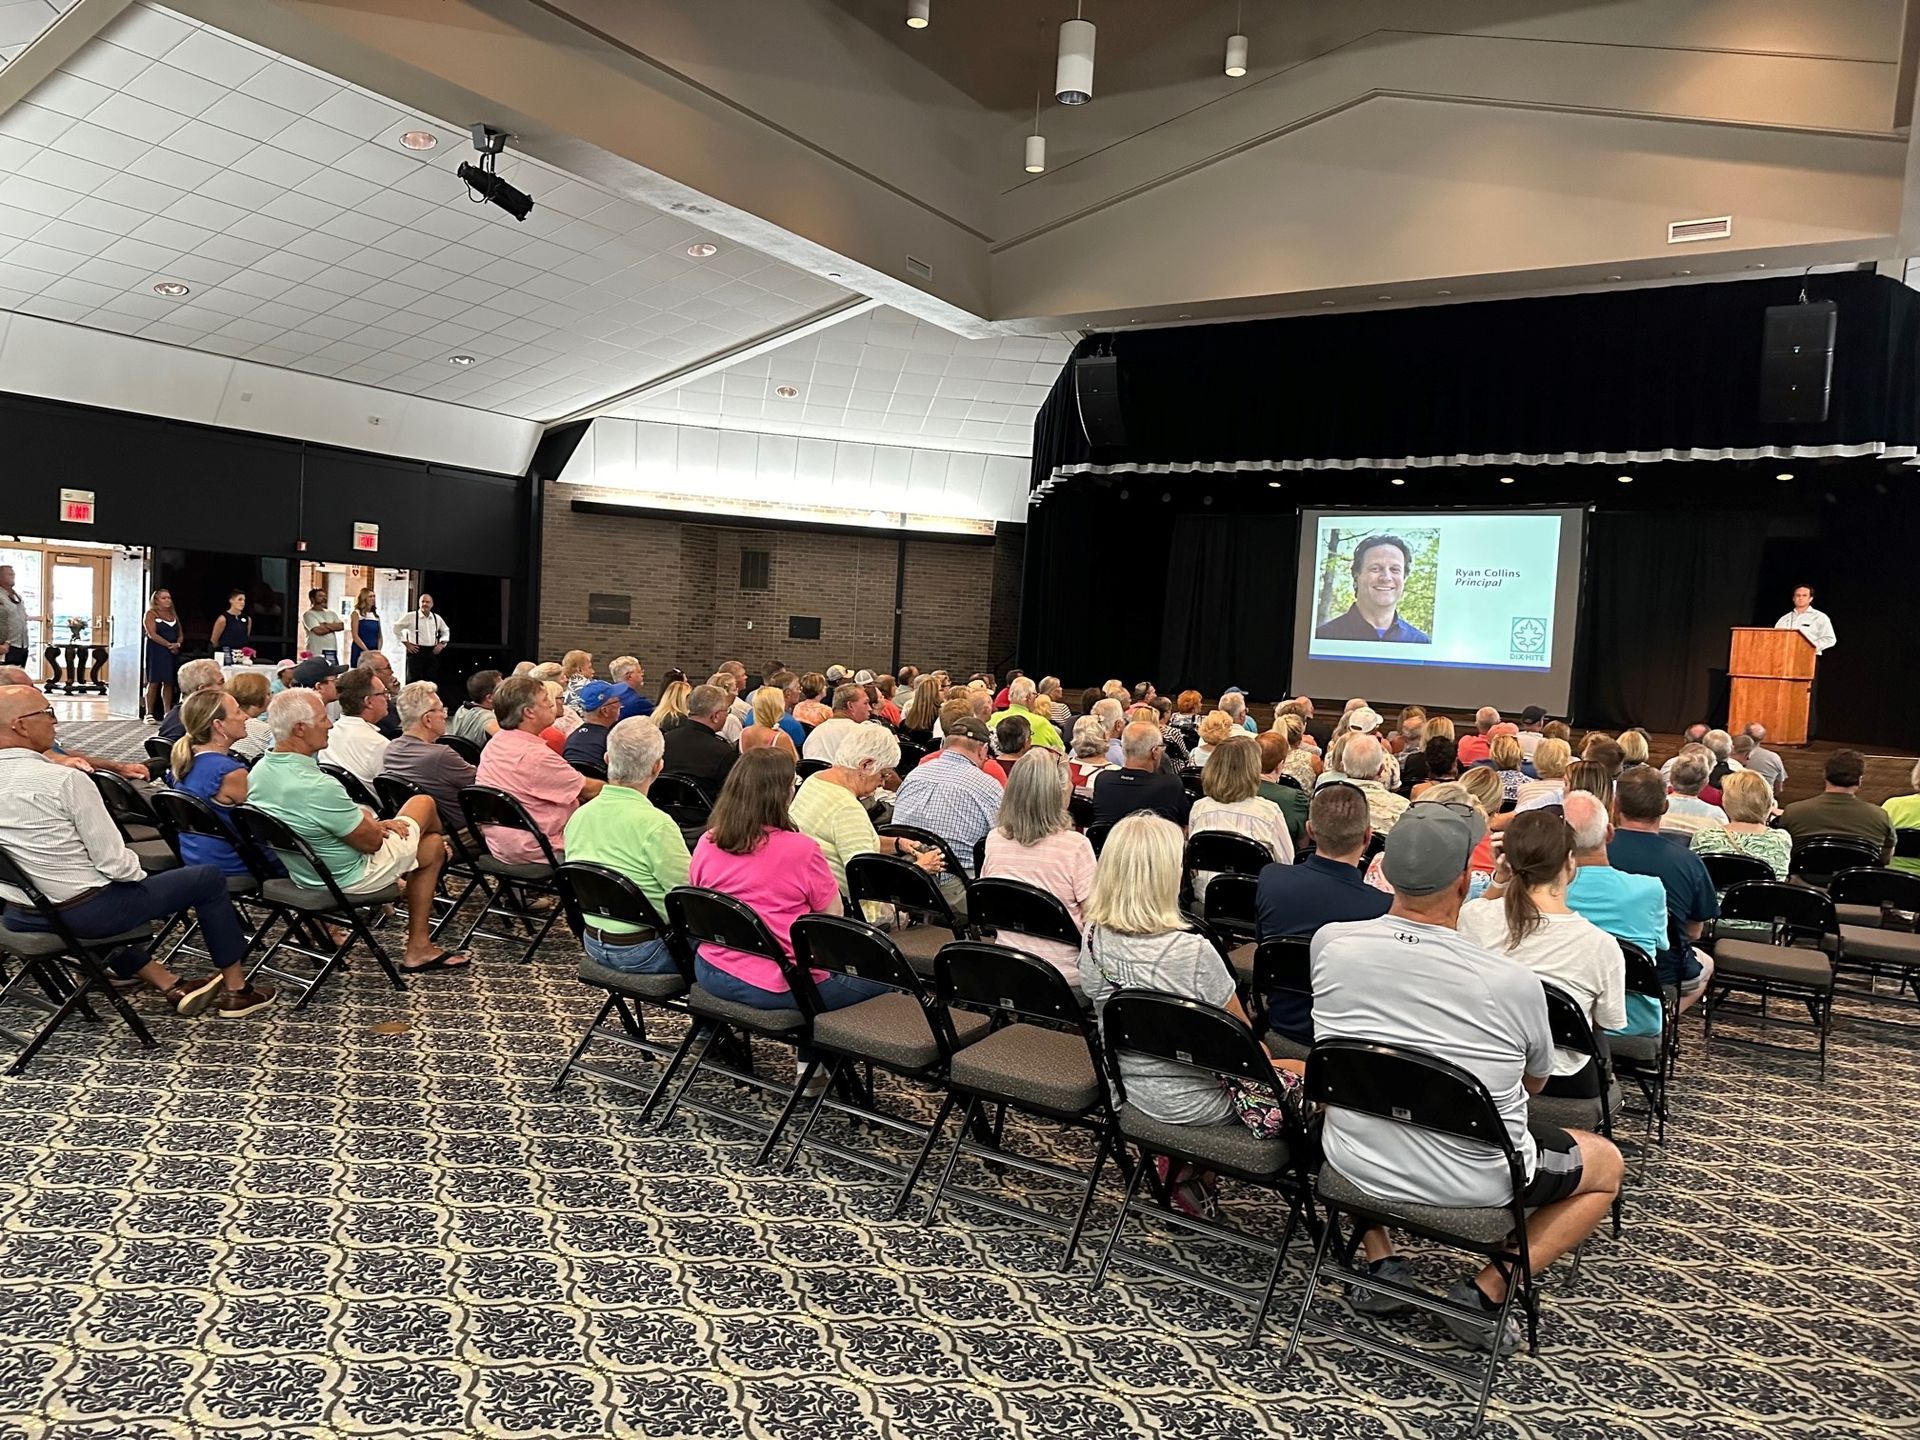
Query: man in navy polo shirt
point(1325, 887)
point(1638, 847)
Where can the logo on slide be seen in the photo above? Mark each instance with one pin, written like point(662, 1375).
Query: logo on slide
point(1528, 637)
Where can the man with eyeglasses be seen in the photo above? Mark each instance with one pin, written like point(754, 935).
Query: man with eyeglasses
point(356, 745)
point(1139, 783)
point(419, 758)
point(56, 828)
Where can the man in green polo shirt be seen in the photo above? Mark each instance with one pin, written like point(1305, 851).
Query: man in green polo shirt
point(1021, 702)
point(621, 829)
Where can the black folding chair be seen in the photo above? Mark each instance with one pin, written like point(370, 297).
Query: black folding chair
point(1877, 912)
point(185, 815)
point(592, 769)
point(1097, 835)
point(294, 901)
point(709, 917)
point(1646, 1059)
point(1795, 961)
point(140, 825)
point(1906, 844)
point(594, 895)
point(1727, 871)
point(516, 883)
point(1587, 1101)
point(916, 896)
point(156, 748)
point(65, 967)
point(687, 801)
point(355, 787)
point(1042, 1058)
point(1080, 810)
point(922, 836)
point(457, 870)
point(463, 747)
point(1218, 852)
point(1179, 1031)
point(902, 1031)
point(1008, 911)
point(1818, 858)
point(1193, 781)
point(1399, 1086)
point(1283, 964)
point(810, 767)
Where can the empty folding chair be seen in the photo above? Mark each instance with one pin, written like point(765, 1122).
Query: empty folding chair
point(1794, 962)
point(1041, 1059)
point(594, 896)
point(916, 896)
point(516, 884)
point(1399, 1086)
point(904, 1032)
point(1283, 988)
point(1598, 1099)
point(1174, 1030)
point(301, 906)
point(1818, 858)
point(1877, 910)
point(65, 968)
point(1232, 914)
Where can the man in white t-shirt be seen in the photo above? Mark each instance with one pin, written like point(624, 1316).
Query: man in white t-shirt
point(1810, 622)
point(850, 708)
point(1410, 979)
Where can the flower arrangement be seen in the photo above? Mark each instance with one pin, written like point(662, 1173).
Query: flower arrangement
point(246, 651)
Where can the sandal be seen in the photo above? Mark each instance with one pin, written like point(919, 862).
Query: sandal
point(445, 960)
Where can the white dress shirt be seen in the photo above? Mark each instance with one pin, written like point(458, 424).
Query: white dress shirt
point(423, 628)
point(13, 621)
point(356, 747)
point(55, 825)
point(1811, 623)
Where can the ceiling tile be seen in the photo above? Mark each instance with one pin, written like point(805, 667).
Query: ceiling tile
point(357, 114)
point(314, 141)
point(69, 95)
point(208, 142)
point(108, 65)
point(146, 30)
point(290, 86)
point(140, 119)
point(223, 61)
point(247, 117)
point(176, 90)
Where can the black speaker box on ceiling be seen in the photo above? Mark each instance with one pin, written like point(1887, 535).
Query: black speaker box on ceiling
point(1096, 385)
point(1796, 363)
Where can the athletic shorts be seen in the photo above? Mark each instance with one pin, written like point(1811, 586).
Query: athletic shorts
point(1556, 1169)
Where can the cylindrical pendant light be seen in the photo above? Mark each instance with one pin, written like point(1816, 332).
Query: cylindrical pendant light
point(1036, 153)
point(1073, 72)
point(1237, 43)
point(919, 14)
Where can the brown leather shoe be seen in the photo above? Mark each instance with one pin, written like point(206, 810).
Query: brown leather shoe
point(235, 1003)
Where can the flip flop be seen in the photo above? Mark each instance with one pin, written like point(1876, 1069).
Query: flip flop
point(442, 961)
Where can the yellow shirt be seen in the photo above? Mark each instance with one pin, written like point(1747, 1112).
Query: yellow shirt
point(1044, 735)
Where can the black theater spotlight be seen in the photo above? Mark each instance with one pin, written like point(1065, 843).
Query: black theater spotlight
point(485, 184)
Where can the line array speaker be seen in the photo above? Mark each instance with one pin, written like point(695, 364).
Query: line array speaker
point(1796, 363)
point(1096, 385)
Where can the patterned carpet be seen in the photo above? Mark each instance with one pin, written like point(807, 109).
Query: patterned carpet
point(295, 1227)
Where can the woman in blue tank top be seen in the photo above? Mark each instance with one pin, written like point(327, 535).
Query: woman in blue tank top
point(366, 626)
point(233, 628)
point(161, 624)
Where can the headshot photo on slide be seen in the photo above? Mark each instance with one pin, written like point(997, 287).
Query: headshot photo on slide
point(1377, 586)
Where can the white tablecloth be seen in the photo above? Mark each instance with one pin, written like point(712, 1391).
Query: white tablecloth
point(268, 670)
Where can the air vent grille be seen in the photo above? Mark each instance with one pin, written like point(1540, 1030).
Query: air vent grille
point(1680, 232)
point(919, 267)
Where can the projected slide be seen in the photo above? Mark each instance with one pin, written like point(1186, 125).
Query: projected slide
point(1404, 597)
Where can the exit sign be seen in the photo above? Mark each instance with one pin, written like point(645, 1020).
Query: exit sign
point(76, 507)
point(366, 537)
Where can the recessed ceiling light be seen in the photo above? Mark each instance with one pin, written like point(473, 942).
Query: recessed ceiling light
point(172, 289)
point(1784, 475)
point(1683, 272)
point(1186, 314)
point(1328, 304)
point(1386, 297)
point(786, 392)
point(1613, 277)
point(1626, 479)
point(1443, 292)
point(835, 275)
point(1756, 267)
point(1397, 481)
point(1506, 479)
point(1273, 484)
point(460, 360)
point(419, 140)
point(701, 249)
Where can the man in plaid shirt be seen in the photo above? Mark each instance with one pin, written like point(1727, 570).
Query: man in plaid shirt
point(950, 796)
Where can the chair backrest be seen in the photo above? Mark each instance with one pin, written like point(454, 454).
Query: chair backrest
point(920, 835)
point(1872, 885)
point(1226, 852)
point(1182, 1031)
point(190, 815)
point(852, 947)
point(15, 877)
point(269, 832)
point(682, 798)
point(1080, 810)
point(893, 880)
point(592, 769)
point(1097, 835)
point(977, 975)
point(485, 805)
point(1643, 974)
point(1291, 781)
point(593, 892)
point(1819, 858)
point(1572, 1030)
point(1906, 844)
point(1284, 962)
point(810, 767)
point(463, 747)
point(1728, 870)
point(999, 903)
point(127, 804)
point(355, 787)
point(393, 792)
point(156, 748)
point(1409, 1087)
point(1794, 911)
point(1232, 904)
point(712, 918)
point(1193, 781)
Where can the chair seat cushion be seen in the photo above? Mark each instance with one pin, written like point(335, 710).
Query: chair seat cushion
point(1755, 960)
point(155, 855)
point(513, 871)
point(1868, 915)
point(1227, 1146)
point(1483, 1226)
point(1573, 1113)
point(31, 943)
point(1241, 958)
point(242, 885)
point(920, 943)
point(1285, 1047)
point(663, 986)
point(1032, 1065)
point(1898, 947)
point(314, 898)
point(138, 834)
point(709, 1006)
point(1634, 1049)
point(892, 1029)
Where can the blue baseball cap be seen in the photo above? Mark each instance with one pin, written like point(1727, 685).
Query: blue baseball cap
point(596, 693)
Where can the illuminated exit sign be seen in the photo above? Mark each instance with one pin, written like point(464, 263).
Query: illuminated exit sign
point(365, 537)
point(76, 507)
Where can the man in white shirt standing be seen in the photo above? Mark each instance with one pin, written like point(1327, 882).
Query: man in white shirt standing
point(355, 743)
point(1818, 629)
point(425, 634)
point(321, 627)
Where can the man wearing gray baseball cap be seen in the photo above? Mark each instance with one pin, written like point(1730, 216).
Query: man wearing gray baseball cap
point(1411, 979)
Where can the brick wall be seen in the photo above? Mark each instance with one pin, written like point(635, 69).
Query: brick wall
point(962, 601)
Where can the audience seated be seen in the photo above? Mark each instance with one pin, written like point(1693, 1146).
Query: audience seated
point(362, 854)
point(204, 674)
point(60, 755)
point(1012, 738)
point(1770, 766)
point(1686, 811)
point(770, 721)
point(419, 758)
point(475, 720)
point(950, 796)
point(250, 692)
point(1638, 847)
point(1139, 783)
point(1415, 767)
point(1506, 761)
point(1837, 810)
point(850, 708)
point(961, 710)
point(1409, 735)
point(1275, 751)
point(1023, 701)
point(809, 710)
point(576, 669)
point(201, 764)
point(1550, 760)
point(1532, 719)
point(1234, 703)
point(830, 806)
point(1440, 759)
point(520, 762)
point(922, 710)
point(1364, 763)
point(1089, 756)
point(1474, 748)
point(696, 750)
point(623, 830)
point(1904, 812)
point(1233, 801)
point(55, 826)
point(628, 671)
point(1303, 758)
point(1410, 978)
point(731, 727)
point(387, 722)
point(1633, 748)
point(356, 744)
point(1747, 799)
point(601, 706)
point(1034, 841)
point(672, 709)
point(1627, 906)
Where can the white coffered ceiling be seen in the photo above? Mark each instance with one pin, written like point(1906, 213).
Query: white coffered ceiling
point(165, 150)
point(24, 21)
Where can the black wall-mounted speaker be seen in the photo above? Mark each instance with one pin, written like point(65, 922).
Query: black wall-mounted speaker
point(1096, 385)
point(1796, 363)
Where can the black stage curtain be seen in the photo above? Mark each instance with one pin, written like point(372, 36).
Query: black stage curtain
point(1652, 369)
point(1093, 588)
point(1228, 617)
point(1663, 590)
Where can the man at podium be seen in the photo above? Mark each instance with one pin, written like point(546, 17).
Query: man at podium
point(1810, 622)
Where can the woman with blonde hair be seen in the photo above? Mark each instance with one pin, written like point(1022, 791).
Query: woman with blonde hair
point(1504, 752)
point(769, 704)
point(1301, 763)
point(1592, 777)
point(576, 669)
point(201, 764)
point(1135, 938)
point(1034, 840)
point(672, 709)
point(1748, 800)
point(916, 721)
point(1233, 800)
point(1550, 760)
point(1633, 748)
point(1215, 727)
point(366, 627)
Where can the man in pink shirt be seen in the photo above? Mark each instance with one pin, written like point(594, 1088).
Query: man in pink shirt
point(519, 761)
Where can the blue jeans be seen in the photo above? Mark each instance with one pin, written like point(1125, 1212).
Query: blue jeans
point(836, 991)
point(126, 904)
point(646, 957)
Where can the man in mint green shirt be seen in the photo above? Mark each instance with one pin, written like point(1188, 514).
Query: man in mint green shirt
point(621, 829)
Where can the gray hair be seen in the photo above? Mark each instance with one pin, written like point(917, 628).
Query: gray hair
point(1364, 757)
point(1235, 705)
point(1485, 718)
point(1689, 773)
point(1743, 744)
point(1109, 713)
point(417, 697)
point(1758, 732)
point(1138, 739)
point(1586, 815)
point(634, 747)
point(1719, 742)
point(200, 675)
point(1913, 780)
point(864, 743)
point(706, 699)
point(14, 675)
point(1089, 737)
point(622, 666)
point(291, 709)
point(1035, 803)
point(1021, 692)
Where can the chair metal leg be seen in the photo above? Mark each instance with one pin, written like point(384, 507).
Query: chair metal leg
point(1327, 1234)
point(580, 1049)
point(1086, 1201)
point(667, 1073)
point(953, 1159)
point(706, 1033)
point(786, 1110)
point(813, 1114)
point(1273, 1275)
point(920, 1161)
point(1120, 1220)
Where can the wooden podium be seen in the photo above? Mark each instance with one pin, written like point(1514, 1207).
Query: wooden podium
point(1772, 674)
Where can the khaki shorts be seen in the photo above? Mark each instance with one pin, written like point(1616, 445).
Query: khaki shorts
point(397, 857)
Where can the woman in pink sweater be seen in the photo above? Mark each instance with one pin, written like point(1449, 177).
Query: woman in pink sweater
point(1035, 841)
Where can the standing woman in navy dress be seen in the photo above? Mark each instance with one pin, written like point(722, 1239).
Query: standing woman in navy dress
point(366, 626)
point(232, 629)
point(162, 626)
